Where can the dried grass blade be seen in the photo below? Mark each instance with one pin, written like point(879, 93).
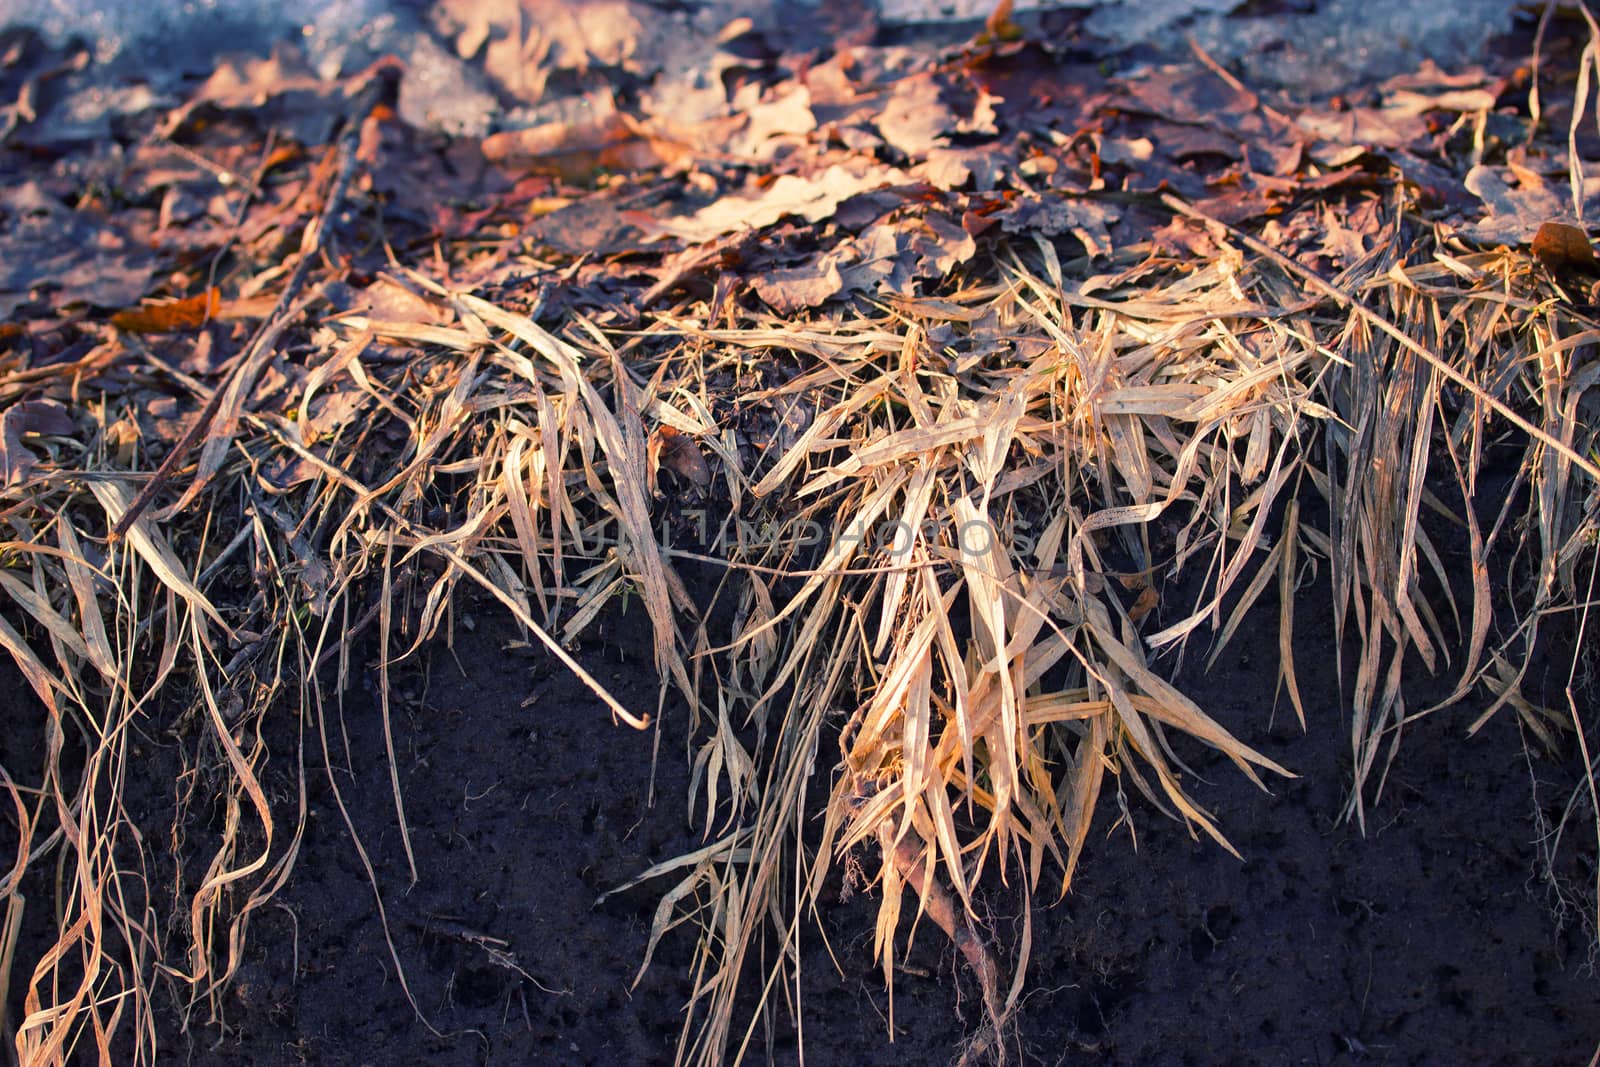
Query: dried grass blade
point(155, 551)
point(986, 571)
point(1083, 780)
point(820, 431)
point(221, 875)
point(37, 607)
point(906, 537)
point(623, 442)
point(1287, 578)
point(385, 628)
point(81, 577)
point(1175, 708)
point(916, 724)
point(1270, 568)
point(45, 684)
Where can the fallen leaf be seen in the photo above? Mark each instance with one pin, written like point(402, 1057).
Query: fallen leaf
point(891, 256)
point(1147, 601)
point(47, 246)
point(1345, 233)
point(678, 453)
point(191, 312)
point(1087, 220)
point(1515, 211)
point(1188, 95)
point(523, 42)
point(329, 411)
point(1560, 246)
point(282, 89)
point(283, 471)
point(1366, 127)
point(29, 418)
point(393, 300)
point(810, 198)
point(590, 225)
point(584, 135)
point(916, 120)
point(788, 291)
point(770, 123)
point(950, 168)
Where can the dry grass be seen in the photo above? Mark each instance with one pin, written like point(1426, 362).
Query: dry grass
point(1043, 456)
point(959, 513)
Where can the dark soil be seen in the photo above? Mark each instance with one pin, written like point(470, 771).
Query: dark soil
point(1430, 941)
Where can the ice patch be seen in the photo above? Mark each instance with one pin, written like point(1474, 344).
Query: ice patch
point(174, 37)
point(1336, 44)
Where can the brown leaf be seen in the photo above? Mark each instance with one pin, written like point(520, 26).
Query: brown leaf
point(46, 245)
point(247, 81)
point(286, 470)
point(31, 417)
point(330, 411)
point(1087, 220)
point(1515, 211)
point(524, 41)
point(1347, 232)
point(788, 291)
point(584, 135)
point(679, 454)
point(892, 255)
point(1147, 601)
point(1560, 246)
point(1188, 95)
point(915, 120)
point(393, 300)
point(811, 198)
point(593, 225)
point(190, 313)
point(771, 123)
point(283, 88)
point(1367, 127)
point(950, 168)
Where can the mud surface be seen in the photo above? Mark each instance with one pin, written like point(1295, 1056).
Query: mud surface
point(1430, 941)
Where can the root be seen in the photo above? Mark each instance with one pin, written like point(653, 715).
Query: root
point(963, 933)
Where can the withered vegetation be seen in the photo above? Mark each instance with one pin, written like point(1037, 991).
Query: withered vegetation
point(963, 430)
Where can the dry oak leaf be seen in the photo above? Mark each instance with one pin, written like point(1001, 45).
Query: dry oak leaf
point(769, 123)
point(1517, 211)
point(915, 120)
point(891, 256)
point(808, 286)
point(1087, 220)
point(190, 312)
point(78, 257)
point(524, 41)
point(810, 198)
